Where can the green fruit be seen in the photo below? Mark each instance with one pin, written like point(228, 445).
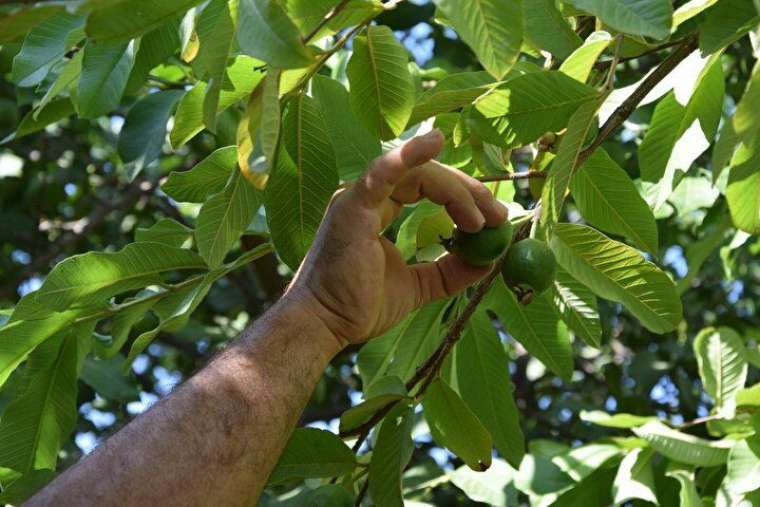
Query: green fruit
point(529, 265)
point(481, 248)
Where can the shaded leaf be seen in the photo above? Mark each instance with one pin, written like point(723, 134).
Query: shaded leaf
point(105, 70)
point(265, 32)
point(722, 366)
point(313, 453)
point(121, 21)
point(392, 451)
point(683, 448)
point(651, 18)
point(208, 177)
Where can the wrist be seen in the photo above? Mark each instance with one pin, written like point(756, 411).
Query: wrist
point(303, 313)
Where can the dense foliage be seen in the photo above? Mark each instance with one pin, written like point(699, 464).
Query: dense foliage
point(157, 152)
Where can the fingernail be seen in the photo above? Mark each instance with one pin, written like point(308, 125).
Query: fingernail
point(434, 134)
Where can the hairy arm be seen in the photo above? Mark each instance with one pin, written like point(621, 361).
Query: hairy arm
point(214, 440)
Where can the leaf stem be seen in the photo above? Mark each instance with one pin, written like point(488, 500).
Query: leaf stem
point(512, 176)
point(323, 22)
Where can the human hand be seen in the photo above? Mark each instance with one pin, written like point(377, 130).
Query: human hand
point(355, 280)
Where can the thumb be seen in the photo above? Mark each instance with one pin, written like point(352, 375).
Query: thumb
point(445, 277)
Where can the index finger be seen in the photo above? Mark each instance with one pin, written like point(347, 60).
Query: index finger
point(386, 171)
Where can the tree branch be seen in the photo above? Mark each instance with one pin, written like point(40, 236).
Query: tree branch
point(323, 22)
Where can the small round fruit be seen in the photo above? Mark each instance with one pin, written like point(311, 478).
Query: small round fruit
point(483, 247)
point(529, 265)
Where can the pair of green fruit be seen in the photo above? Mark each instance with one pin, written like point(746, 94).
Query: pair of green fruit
point(529, 265)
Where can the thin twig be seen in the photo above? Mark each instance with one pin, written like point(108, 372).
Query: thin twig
point(512, 176)
point(323, 22)
point(602, 64)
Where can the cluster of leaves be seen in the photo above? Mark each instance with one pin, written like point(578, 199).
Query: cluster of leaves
point(295, 113)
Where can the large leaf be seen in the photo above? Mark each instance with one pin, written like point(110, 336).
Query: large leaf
point(619, 273)
point(208, 177)
point(308, 14)
point(742, 191)
point(684, 448)
point(536, 326)
point(743, 468)
point(651, 18)
point(390, 455)
point(492, 487)
point(379, 395)
point(454, 426)
point(166, 231)
point(224, 217)
point(19, 337)
point(581, 62)
point(635, 478)
point(745, 121)
point(580, 462)
point(578, 308)
point(66, 81)
point(155, 47)
point(144, 131)
point(546, 29)
point(625, 421)
point(20, 22)
point(382, 91)
point(492, 28)
point(452, 92)
point(43, 47)
point(680, 133)
point(482, 370)
point(89, 278)
point(240, 79)
point(404, 347)
point(121, 21)
point(33, 122)
point(722, 366)
point(726, 22)
point(105, 70)
point(354, 146)
point(565, 163)
point(36, 424)
point(312, 453)
point(265, 32)
point(302, 182)
point(537, 102)
point(123, 322)
point(105, 377)
point(608, 199)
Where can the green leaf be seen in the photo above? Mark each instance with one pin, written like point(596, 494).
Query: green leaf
point(690, 9)
point(43, 47)
point(382, 91)
point(19, 337)
point(745, 121)
point(726, 22)
point(66, 80)
point(680, 133)
point(22, 21)
point(302, 183)
point(25, 487)
point(313, 453)
point(450, 93)
point(271, 116)
point(580, 462)
point(742, 191)
point(93, 277)
point(650, 18)
point(608, 200)
point(689, 496)
point(619, 273)
point(581, 62)
point(208, 177)
point(239, 81)
point(391, 453)
point(483, 381)
point(593, 490)
point(492, 487)
point(307, 14)
point(538, 102)
point(121, 21)
point(539, 476)
point(536, 326)
point(166, 231)
point(577, 306)
point(492, 28)
point(105, 377)
point(635, 478)
point(52, 113)
point(36, 424)
point(105, 70)
point(565, 163)
point(684, 448)
point(354, 146)
point(722, 366)
point(379, 395)
point(743, 468)
point(265, 32)
point(620, 421)
point(406, 239)
point(546, 29)
point(330, 495)
point(454, 426)
point(144, 131)
point(403, 348)
point(224, 217)
point(123, 321)
point(154, 49)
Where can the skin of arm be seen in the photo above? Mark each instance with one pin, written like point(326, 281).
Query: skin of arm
point(216, 438)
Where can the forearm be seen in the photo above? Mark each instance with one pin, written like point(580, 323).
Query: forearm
point(214, 440)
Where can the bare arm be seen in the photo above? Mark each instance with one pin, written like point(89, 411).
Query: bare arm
point(216, 439)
